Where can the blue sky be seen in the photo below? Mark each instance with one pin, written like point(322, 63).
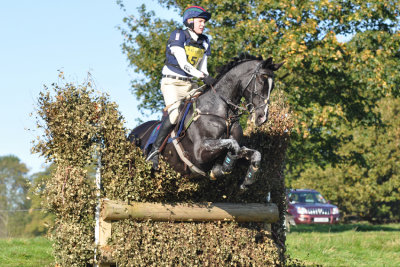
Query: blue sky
point(38, 38)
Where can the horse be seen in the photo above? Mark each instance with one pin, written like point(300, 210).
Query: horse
point(214, 131)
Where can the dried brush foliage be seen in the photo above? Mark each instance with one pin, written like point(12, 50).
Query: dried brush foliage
point(78, 125)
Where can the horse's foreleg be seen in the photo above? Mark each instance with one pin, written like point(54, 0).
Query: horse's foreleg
point(208, 150)
point(250, 154)
point(219, 170)
point(255, 158)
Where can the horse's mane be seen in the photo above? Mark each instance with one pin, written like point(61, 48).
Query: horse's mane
point(234, 62)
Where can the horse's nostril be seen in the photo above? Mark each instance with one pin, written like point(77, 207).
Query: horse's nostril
point(261, 119)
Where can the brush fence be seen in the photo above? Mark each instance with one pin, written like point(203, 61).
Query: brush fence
point(180, 212)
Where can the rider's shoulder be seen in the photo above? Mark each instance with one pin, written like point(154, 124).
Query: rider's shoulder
point(178, 34)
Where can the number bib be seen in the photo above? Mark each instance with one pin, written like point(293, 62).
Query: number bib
point(194, 54)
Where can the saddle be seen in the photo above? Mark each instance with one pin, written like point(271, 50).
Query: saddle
point(179, 130)
point(177, 134)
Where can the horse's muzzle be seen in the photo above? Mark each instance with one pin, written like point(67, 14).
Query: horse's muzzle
point(261, 117)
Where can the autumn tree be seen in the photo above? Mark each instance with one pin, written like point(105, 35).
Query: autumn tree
point(334, 88)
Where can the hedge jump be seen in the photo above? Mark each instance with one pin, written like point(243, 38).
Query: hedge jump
point(112, 210)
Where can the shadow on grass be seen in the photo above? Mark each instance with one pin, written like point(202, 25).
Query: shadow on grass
point(357, 227)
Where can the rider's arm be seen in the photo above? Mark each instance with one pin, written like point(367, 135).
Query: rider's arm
point(180, 56)
point(203, 65)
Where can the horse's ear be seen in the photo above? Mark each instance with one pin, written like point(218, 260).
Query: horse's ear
point(276, 67)
point(267, 63)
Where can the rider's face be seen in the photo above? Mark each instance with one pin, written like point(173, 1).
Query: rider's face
point(199, 24)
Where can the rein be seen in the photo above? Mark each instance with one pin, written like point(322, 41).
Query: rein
point(236, 109)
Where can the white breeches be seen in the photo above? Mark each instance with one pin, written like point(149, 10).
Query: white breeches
point(174, 91)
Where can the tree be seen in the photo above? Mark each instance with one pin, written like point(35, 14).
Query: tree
point(14, 185)
point(366, 182)
point(39, 219)
point(332, 87)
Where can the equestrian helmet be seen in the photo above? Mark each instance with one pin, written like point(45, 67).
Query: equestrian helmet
point(195, 12)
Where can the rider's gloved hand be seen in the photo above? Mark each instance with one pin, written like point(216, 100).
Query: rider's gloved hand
point(209, 80)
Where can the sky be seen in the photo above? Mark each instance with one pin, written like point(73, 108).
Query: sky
point(39, 38)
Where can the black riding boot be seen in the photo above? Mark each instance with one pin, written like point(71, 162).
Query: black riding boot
point(166, 128)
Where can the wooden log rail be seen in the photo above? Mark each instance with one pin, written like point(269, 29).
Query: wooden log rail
point(112, 210)
point(196, 212)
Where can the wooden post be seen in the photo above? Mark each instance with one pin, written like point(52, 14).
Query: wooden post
point(105, 232)
point(196, 212)
point(104, 235)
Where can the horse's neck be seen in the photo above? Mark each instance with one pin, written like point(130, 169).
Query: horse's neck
point(229, 87)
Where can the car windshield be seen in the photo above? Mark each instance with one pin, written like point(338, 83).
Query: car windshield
point(306, 197)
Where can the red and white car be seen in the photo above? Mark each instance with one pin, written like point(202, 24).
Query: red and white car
point(306, 206)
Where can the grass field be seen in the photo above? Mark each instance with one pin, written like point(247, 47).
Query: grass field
point(26, 252)
point(345, 245)
point(312, 245)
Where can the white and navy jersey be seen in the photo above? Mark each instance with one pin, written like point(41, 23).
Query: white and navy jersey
point(186, 54)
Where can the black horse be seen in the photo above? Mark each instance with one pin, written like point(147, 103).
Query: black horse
point(214, 131)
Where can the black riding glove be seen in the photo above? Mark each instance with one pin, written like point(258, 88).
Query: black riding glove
point(209, 80)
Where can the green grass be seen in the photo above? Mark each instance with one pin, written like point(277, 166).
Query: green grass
point(345, 245)
point(313, 245)
point(26, 252)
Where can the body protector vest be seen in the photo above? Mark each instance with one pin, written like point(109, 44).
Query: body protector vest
point(195, 50)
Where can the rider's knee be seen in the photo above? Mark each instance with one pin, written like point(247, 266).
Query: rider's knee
point(173, 116)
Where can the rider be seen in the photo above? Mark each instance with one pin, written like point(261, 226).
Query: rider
point(186, 57)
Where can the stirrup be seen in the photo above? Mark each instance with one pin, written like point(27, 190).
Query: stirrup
point(153, 158)
point(151, 155)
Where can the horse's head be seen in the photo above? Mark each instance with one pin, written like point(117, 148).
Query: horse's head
point(257, 89)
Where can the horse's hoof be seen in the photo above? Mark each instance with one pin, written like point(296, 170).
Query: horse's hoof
point(216, 172)
point(212, 176)
point(155, 166)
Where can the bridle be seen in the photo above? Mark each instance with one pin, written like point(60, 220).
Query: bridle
point(239, 110)
point(250, 106)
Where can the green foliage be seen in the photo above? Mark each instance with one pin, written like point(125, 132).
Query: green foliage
point(366, 183)
point(14, 185)
point(332, 87)
point(69, 122)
